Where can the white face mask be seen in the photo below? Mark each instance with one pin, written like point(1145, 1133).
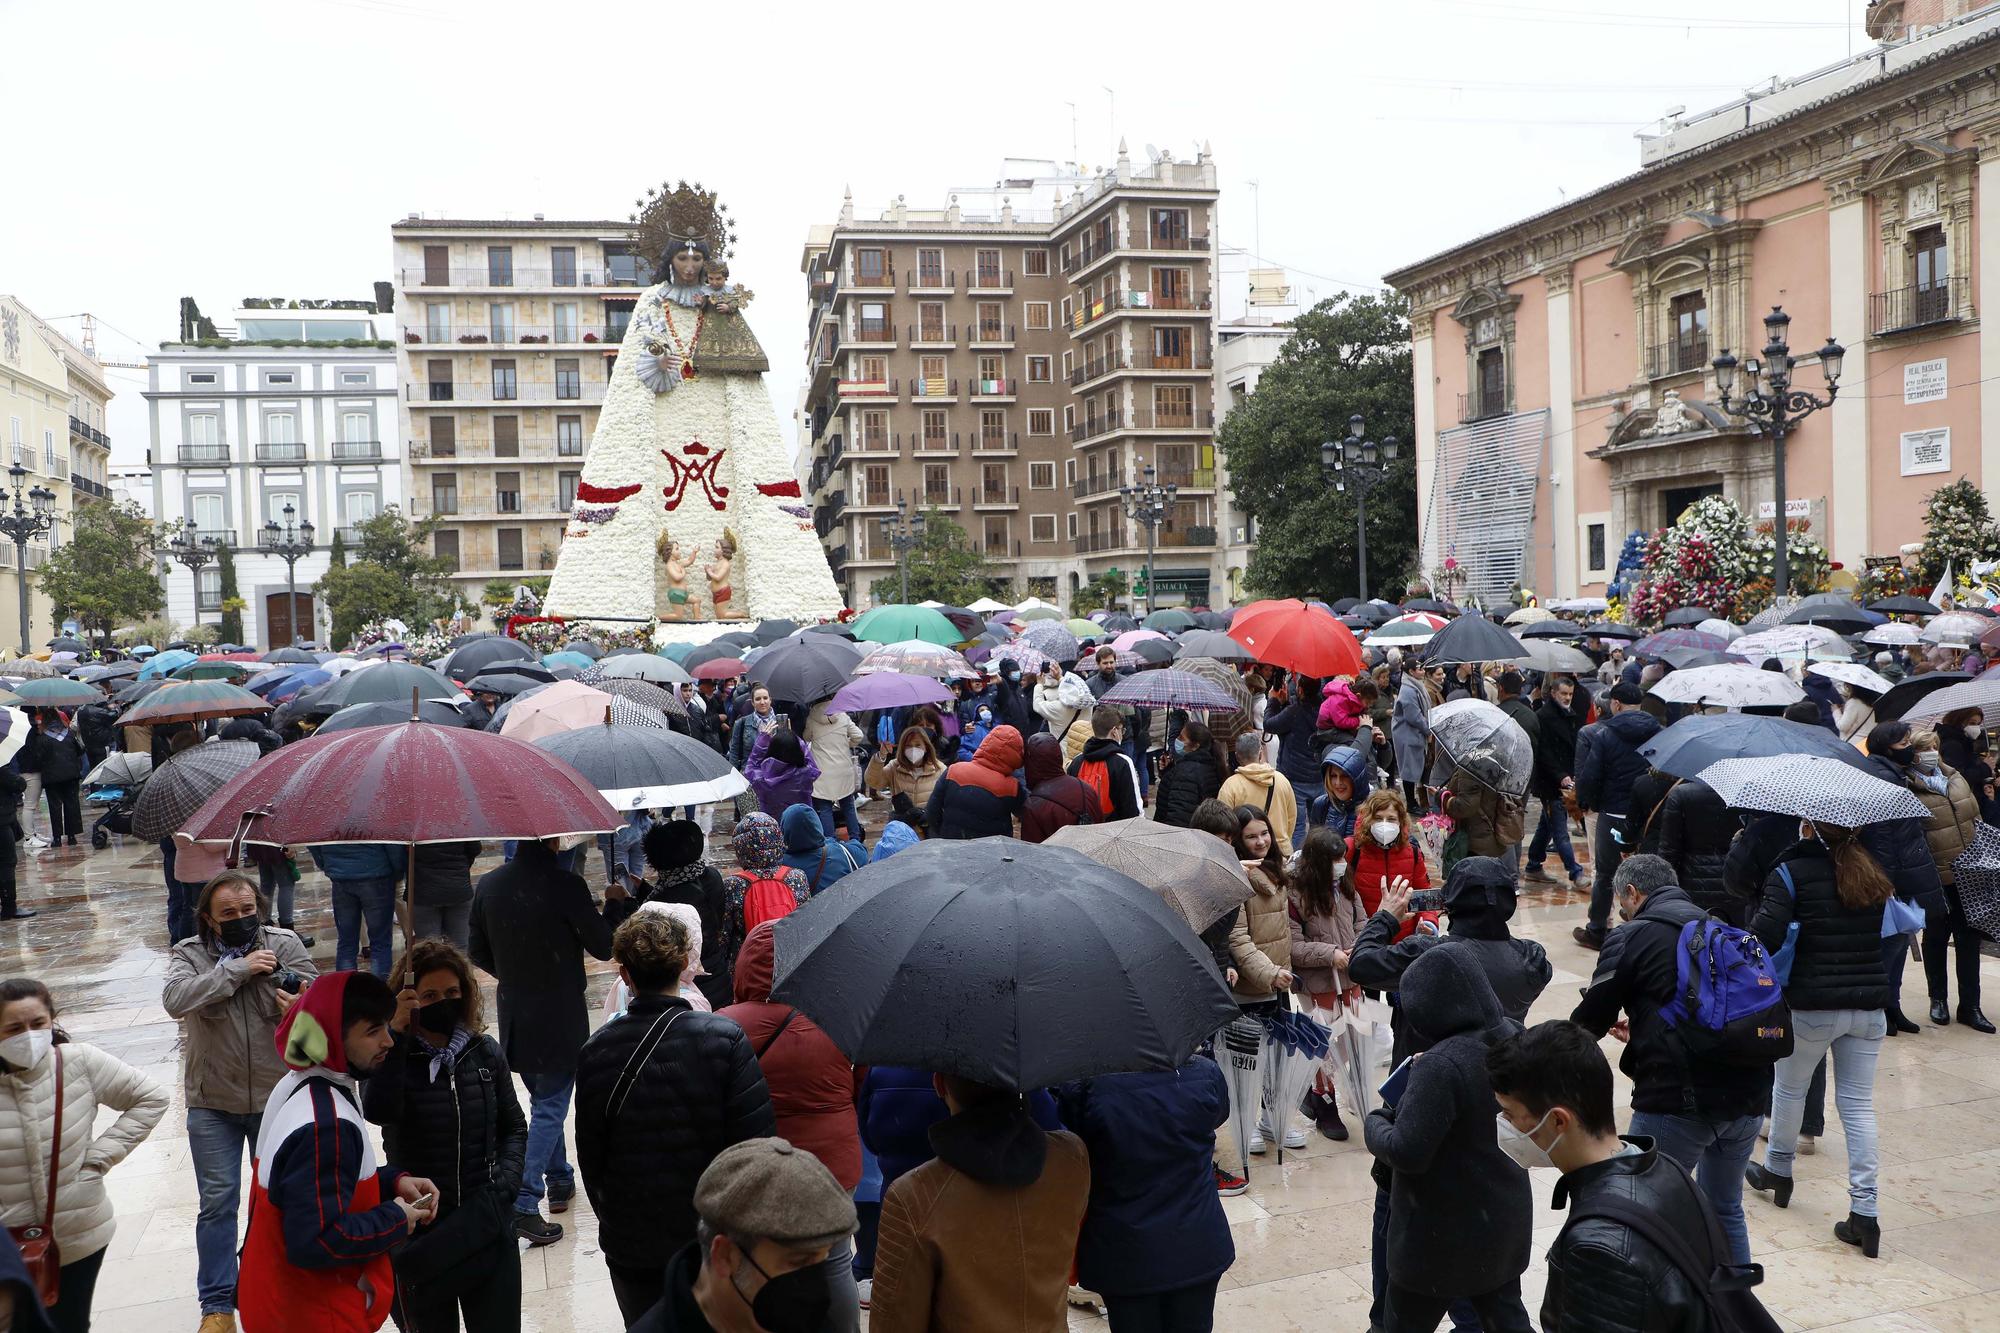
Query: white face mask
point(1520, 1146)
point(1339, 869)
point(24, 1050)
point(1927, 760)
point(914, 754)
point(1973, 731)
point(1385, 831)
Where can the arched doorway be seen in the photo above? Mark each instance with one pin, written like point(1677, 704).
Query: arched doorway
point(278, 618)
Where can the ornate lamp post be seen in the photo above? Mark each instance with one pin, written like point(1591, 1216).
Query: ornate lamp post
point(1365, 464)
point(1148, 505)
point(23, 523)
point(1772, 405)
point(291, 545)
point(904, 532)
point(194, 552)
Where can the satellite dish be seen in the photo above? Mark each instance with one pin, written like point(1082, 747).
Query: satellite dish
point(1152, 154)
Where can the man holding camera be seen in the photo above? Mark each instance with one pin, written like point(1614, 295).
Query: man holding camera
point(229, 984)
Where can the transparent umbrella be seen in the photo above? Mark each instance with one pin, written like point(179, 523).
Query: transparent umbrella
point(1478, 737)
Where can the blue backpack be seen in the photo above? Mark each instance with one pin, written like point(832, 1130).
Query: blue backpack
point(1729, 1002)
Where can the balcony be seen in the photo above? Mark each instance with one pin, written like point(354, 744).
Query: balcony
point(1089, 543)
point(357, 451)
point(1175, 243)
point(1191, 535)
point(997, 497)
point(55, 464)
point(444, 502)
point(1194, 418)
point(1096, 484)
point(83, 485)
point(1918, 307)
point(525, 335)
point(1190, 479)
point(1669, 360)
point(1142, 303)
point(837, 556)
point(1173, 361)
point(883, 281)
point(932, 335)
point(874, 497)
point(1481, 407)
point(350, 537)
point(220, 536)
point(875, 335)
point(866, 388)
point(934, 445)
point(992, 388)
point(939, 280)
point(942, 389)
point(84, 430)
point(1094, 248)
point(877, 442)
point(204, 453)
point(482, 395)
point(479, 275)
point(990, 333)
point(990, 280)
point(1090, 370)
point(294, 452)
point(1092, 427)
point(996, 442)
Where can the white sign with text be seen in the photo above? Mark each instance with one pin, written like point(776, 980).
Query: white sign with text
point(1924, 381)
point(1793, 509)
point(1926, 451)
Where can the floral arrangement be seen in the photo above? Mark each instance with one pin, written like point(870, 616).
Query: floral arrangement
point(543, 636)
point(1631, 556)
point(1879, 581)
point(1702, 560)
point(1430, 834)
point(1808, 562)
point(389, 630)
point(1958, 530)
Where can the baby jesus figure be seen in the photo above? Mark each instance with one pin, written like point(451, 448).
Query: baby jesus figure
point(722, 296)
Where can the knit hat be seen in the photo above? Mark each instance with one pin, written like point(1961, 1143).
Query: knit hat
point(759, 842)
point(674, 843)
point(770, 1190)
point(310, 1033)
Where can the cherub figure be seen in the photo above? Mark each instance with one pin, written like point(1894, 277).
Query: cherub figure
point(719, 591)
point(720, 294)
point(676, 562)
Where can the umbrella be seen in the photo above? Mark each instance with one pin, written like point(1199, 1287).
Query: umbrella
point(179, 787)
point(468, 661)
point(1153, 651)
point(1014, 965)
point(1226, 678)
point(1299, 638)
point(1789, 641)
point(639, 768)
point(563, 706)
point(1904, 604)
point(1690, 745)
point(986, 606)
point(56, 692)
point(676, 652)
point(1774, 614)
point(1198, 875)
point(1212, 643)
point(1472, 638)
point(1085, 629)
point(298, 656)
point(1682, 659)
point(121, 768)
point(709, 652)
point(741, 639)
point(1895, 634)
point(1035, 613)
point(1721, 629)
point(1526, 615)
point(583, 647)
point(504, 683)
point(1612, 629)
point(1035, 604)
point(580, 661)
point(129, 693)
point(1814, 787)
point(1132, 638)
point(194, 701)
point(389, 712)
point(207, 670)
point(893, 624)
point(1735, 686)
point(1169, 689)
point(1838, 614)
point(1980, 693)
point(1052, 640)
point(391, 682)
point(66, 644)
point(887, 689)
point(806, 669)
point(1120, 623)
point(1413, 629)
point(1549, 655)
point(645, 666)
point(1552, 629)
point(643, 693)
point(917, 657)
point(1853, 673)
point(161, 663)
point(1023, 655)
point(1905, 694)
point(720, 668)
point(1682, 616)
point(1955, 629)
point(90, 675)
point(14, 729)
point(770, 631)
point(1478, 737)
point(1172, 619)
point(1656, 645)
point(28, 668)
point(1430, 604)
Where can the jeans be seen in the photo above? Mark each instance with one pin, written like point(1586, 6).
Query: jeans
point(1135, 748)
point(636, 1290)
point(1463, 1315)
point(545, 1158)
point(219, 1141)
point(1714, 1150)
point(1182, 1310)
point(1497, 1311)
point(1605, 854)
point(837, 1269)
point(1303, 794)
point(1553, 827)
point(31, 801)
point(282, 890)
point(453, 923)
point(844, 809)
point(1855, 1038)
point(869, 1216)
point(355, 901)
point(1813, 1123)
point(1950, 927)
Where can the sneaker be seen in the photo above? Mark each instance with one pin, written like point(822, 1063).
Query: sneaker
point(1579, 878)
point(536, 1229)
point(220, 1322)
point(1257, 1140)
point(1807, 1145)
point(1229, 1186)
point(1537, 875)
point(1592, 940)
point(1295, 1139)
point(1085, 1300)
point(36, 841)
point(560, 1193)
point(866, 1286)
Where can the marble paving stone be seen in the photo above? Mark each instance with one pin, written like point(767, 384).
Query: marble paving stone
point(1962, 1246)
point(1965, 1314)
point(1832, 1283)
point(1309, 1303)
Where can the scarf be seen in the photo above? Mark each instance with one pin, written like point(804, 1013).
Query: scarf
point(681, 875)
point(461, 1037)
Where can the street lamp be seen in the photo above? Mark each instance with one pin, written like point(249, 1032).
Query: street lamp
point(23, 523)
point(904, 532)
point(291, 545)
point(1772, 405)
point(1148, 504)
point(194, 552)
point(1366, 464)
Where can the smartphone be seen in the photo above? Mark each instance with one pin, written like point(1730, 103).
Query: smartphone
point(1399, 1078)
point(1427, 900)
point(426, 1203)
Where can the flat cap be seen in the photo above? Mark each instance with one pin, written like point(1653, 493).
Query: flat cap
point(769, 1189)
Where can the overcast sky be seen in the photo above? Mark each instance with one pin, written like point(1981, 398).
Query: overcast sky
point(227, 148)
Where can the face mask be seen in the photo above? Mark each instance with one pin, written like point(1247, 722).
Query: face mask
point(1180, 747)
point(24, 1050)
point(1973, 731)
point(239, 933)
point(1339, 869)
point(1902, 757)
point(441, 1015)
point(913, 754)
point(1521, 1147)
point(985, 715)
point(1927, 760)
point(1012, 678)
point(1385, 831)
point(794, 1302)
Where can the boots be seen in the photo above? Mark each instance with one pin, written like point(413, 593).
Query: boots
point(1759, 1177)
point(9, 909)
point(1899, 1023)
point(1331, 1125)
point(1861, 1230)
point(1972, 1018)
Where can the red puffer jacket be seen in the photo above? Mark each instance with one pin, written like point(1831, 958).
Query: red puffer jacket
point(813, 1087)
point(1371, 863)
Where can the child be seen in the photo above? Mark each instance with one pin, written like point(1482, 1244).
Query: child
point(1381, 851)
point(1326, 917)
point(1341, 709)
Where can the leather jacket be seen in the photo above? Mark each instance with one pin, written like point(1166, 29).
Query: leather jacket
point(1605, 1278)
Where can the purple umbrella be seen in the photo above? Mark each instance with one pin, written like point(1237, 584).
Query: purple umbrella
point(887, 689)
point(1653, 645)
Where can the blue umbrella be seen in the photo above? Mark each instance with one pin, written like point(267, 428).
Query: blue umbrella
point(270, 680)
point(567, 658)
point(161, 663)
point(293, 684)
point(1690, 745)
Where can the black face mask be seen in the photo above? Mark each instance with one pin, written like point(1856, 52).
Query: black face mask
point(239, 933)
point(1904, 757)
point(441, 1015)
point(794, 1302)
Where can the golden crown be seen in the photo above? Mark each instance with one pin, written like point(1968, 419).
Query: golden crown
point(682, 216)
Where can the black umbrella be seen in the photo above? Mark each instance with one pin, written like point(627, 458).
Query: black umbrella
point(832, 627)
point(300, 656)
point(644, 768)
point(1015, 965)
point(1688, 616)
point(1611, 629)
point(1837, 613)
point(182, 645)
point(508, 682)
point(1903, 696)
point(473, 637)
point(1155, 651)
point(584, 646)
point(711, 652)
point(1684, 749)
point(770, 631)
point(1120, 623)
point(1551, 629)
point(389, 713)
point(806, 669)
point(66, 644)
point(1432, 605)
point(1472, 638)
point(966, 622)
point(1905, 604)
point(133, 691)
point(1346, 604)
point(482, 654)
point(392, 681)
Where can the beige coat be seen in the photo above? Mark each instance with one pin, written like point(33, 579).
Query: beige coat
point(832, 737)
point(898, 778)
point(1260, 941)
point(229, 1021)
point(1954, 819)
point(1255, 784)
point(1075, 739)
point(1316, 938)
point(91, 1080)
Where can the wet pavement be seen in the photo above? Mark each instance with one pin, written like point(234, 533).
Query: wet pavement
point(1301, 1232)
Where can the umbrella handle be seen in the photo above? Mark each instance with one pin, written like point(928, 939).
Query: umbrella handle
point(235, 856)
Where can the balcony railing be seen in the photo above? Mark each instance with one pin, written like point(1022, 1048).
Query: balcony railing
point(1173, 361)
point(1914, 307)
point(525, 335)
point(989, 280)
point(1195, 418)
point(83, 485)
point(1090, 312)
point(1480, 407)
point(937, 444)
point(992, 388)
point(937, 388)
point(1088, 543)
point(943, 497)
point(418, 395)
point(78, 426)
point(294, 452)
point(872, 497)
point(996, 441)
point(990, 331)
point(220, 536)
point(866, 388)
point(1190, 479)
point(1094, 248)
point(874, 281)
point(996, 496)
point(204, 453)
point(55, 464)
point(1667, 360)
point(1092, 427)
point(941, 334)
point(883, 333)
point(479, 275)
point(1191, 535)
point(357, 451)
point(1152, 242)
point(1090, 370)
point(933, 280)
point(1096, 484)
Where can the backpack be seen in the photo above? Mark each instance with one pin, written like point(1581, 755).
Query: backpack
point(766, 900)
point(1729, 1002)
point(1096, 775)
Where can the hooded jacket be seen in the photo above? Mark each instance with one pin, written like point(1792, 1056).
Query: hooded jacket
point(1695, 829)
point(1608, 761)
point(981, 1237)
point(760, 848)
point(1294, 726)
point(1120, 776)
point(228, 1016)
point(897, 1108)
point(1010, 702)
point(1451, 1181)
point(532, 923)
point(1184, 784)
point(1262, 787)
point(897, 836)
point(1055, 800)
point(980, 797)
point(1339, 709)
point(823, 861)
point(779, 785)
point(1325, 812)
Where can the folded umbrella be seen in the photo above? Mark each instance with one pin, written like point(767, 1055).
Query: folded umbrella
point(1295, 1044)
point(887, 689)
point(1198, 875)
point(1472, 638)
point(1690, 745)
point(1480, 738)
point(1735, 686)
point(640, 768)
point(1812, 787)
point(1169, 688)
point(1976, 877)
point(806, 669)
point(1011, 964)
point(181, 785)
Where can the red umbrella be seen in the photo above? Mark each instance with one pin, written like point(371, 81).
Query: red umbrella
point(1290, 634)
point(722, 668)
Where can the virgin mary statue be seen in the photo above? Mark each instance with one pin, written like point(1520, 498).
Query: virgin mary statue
point(687, 474)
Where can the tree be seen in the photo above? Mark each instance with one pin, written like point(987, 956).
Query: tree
point(337, 553)
point(232, 600)
point(104, 576)
point(392, 574)
point(1958, 530)
point(1347, 354)
point(1102, 591)
point(944, 567)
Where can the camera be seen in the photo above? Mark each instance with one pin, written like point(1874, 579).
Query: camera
point(289, 981)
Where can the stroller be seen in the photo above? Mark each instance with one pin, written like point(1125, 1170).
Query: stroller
point(112, 789)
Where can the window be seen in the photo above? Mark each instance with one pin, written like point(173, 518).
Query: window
point(201, 377)
point(1173, 405)
point(360, 506)
point(1069, 416)
point(507, 492)
point(274, 506)
point(1041, 527)
point(1594, 557)
point(1041, 476)
point(989, 268)
point(208, 588)
point(992, 368)
point(1035, 263)
point(279, 379)
point(437, 265)
point(1072, 525)
point(356, 379)
point(931, 376)
point(992, 430)
point(569, 437)
point(504, 387)
point(1069, 472)
point(1173, 289)
point(875, 321)
point(996, 534)
point(562, 266)
point(617, 318)
point(1170, 228)
point(1930, 266)
point(281, 428)
point(210, 511)
point(1038, 370)
point(990, 326)
point(875, 430)
point(1171, 344)
point(937, 484)
point(357, 427)
point(1492, 382)
point(500, 322)
point(874, 485)
point(444, 493)
point(569, 379)
point(444, 544)
point(930, 268)
point(500, 266)
point(1063, 255)
point(1689, 313)
point(566, 484)
point(438, 376)
point(507, 543)
point(201, 431)
point(993, 482)
point(444, 437)
point(935, 435)
point(1036, 314)
point(564, 315)
point(871, 268)
point(1068, 314)
point(507, 437)
point(875, 369)
point(624, 268)
point(930, 322)
point(437, 322)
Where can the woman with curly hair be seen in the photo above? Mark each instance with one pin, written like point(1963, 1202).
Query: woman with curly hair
point(760, 851)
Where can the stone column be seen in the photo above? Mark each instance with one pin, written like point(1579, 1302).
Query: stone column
point(1563, 446)
point(1987, 299)
point(1848, 270)
point(1423, 373)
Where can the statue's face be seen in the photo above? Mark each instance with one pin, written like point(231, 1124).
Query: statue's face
point(687, 267)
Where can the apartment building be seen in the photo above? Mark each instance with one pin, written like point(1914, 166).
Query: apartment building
point(292, 406)
point(508, 333)
point(1244, 346)
point(1010, 361)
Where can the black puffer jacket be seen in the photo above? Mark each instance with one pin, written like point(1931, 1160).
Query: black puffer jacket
point(1638, 972)
point(1608, 761)
point(1902, 847)
point(1838, 963)
point(1753, 850)
point(1603, 1278)
point(1555, 744)
point(61, 760)
point(1187, 782)
point(464, 1130)
point(99, 724)
point(698, 1092)
point(1695, 828)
